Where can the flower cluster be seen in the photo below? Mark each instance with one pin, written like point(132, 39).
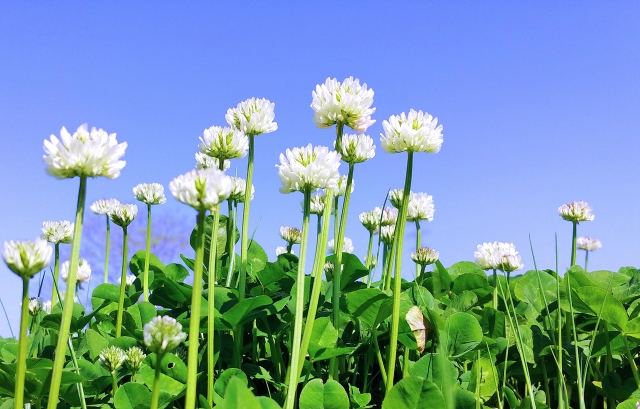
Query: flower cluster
point(35, 306)
point(162, 334)
point(357, 148)
point(202, 189)
point(499, 256)
point(83, 275)
point(317, 203)
point(308, 168)
point(420, 207)
point(253, 117)
point(371, 220)
point(26, 258)
point(205, 162)
point(576, 212)
point(57, 232)
point(134, 359)
point(425, 256)
point(239, 189)
point(85, 153)
point(224, 143)
point(123, 214)
point(416, 132)
point(150, 193)
point(389, 216)
point(112, 358)
point(342, 186)
point(387, 233)
point(348, 103)
point(588, 243)
point(104, 206)
point(291, 235)
point(128, 280)
point(347, 245)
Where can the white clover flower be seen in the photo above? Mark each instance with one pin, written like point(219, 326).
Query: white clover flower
point(104, 206)
point(205, 162)
point(57, 232)
point(224, 143)
point(239, 189)
point(25, 258)
point(85, 153)
point(112, 358)
point(202, 189)
point(510, 262)
point(576, 212)
point(150, 193)
point(253, 117)
point(134, 359)
point(371, 220)
point(128, 281)
point(487, 255)
point(498, 255)
point(395, 197)
point(425, 256)
point(348, 103)
point(283, 250)
point(342, 186)
point(357, 148)
point(46, 306)
point(317, 203)
point(35, 306)
point(308, 168)
point(347, 245)
point(291, 235)
point(387, 233)
point(420, 207)
point(83, 275)
point(588, 243)
point(416, 132)
point(123, 214)
point(389, 216)
point(163, 334)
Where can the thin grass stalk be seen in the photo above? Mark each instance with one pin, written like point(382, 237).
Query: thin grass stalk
point(477, 390)
point(586, 260)
point(376, 346)
point(334, 371)
point(418, 240)
point(299, 309)
point(147, 257)
point(231, 240)
point(632, 363)
point(21, 359)
point(594, 332)
point(244, 253)
point(213, 257)
point(561, 387)
point(60, 357)
point(123, 280)
point(399, 233)
point(79, 386)
point(368, 260)
point(194, 323)
point(106, 251)
point(56, 270)
point(575, 343)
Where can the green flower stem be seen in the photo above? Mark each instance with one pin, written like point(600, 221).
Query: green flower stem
point(56, 270)
point(299, 311)
point(123, 281)
point(63, 334)
point(145, 277)
point(495, 289)
point(336, 213)
point(229, 247)
point(632, 363)
point(575, 343)
point(334, 371)
point(383, 372)
point(244, 254)
point(83, 402)
point(155, 392)
point(477, 391)
point(106, 252)
point(369, 255)
point(194, 323)
point(418, 240)
point(213, 257)
point(114, 384)
point(560, 378)
point(22, 346)
point(573, 244)
point(388, 266)
point(399, 233)
point(318, 267)
point(586, 260)
point(339, 132)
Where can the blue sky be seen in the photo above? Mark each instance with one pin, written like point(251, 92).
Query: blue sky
point(539, 103)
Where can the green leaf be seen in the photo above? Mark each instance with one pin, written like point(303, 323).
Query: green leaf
point(414, 393)
point(156, 268)
point(222, 382)
point(176, 272)
point(370, 305)
point(358, 399)
point(107, 291)
point(472, 282)
point(323, 336)
point(463, 333)
point(221, 237)
point(487, 381)
point(352, 270)
point(124, 342)
point(465, 267)
point(316, 395)
point(242, 311)
point(132, 395)
point(167, 384)
point(256, 258)
point(95, 342)
point(430, 367)
point(602, 303)
point(527, 289)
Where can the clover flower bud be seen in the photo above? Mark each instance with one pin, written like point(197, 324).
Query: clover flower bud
point(576, 212)
point(112, 358)
point(224, 143)
point(123, 214)
point(239, 189)
point(317, 203)
point(486, 255)
point(357, 148)
point(348, 103)
point(134, 359)
point(128, 281)
point(85, 153)
point(83, 275)
point(205, 162)
point(57, 232)
point(510, 262)
point(35, 306)
point(291, 235)
point(342, 186)
point(150, 193)
point(347, 245)
point(202, 189)
point(387, 233)
point(416, 132)
point(420, 207)
point(26, 258)
point(104, 206)
point(162, 334)
point(395, 197)
point(425, 256)
point(253, 117)
point(389, 216)
point(371, 220)
point(588, 243)
point(308, 168)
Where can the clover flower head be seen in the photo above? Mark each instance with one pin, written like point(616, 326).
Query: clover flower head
point(57, 232)
point(205, 162)
point(308, 168)
point(425, 256)
point(85, 153)
point(342, 186)
point(486, 255)
point(371, 220)
point(163, 334)
point(26, 258)
point(389, 216)
point(498, 255)
point(329, 268)
point(253, 117)
point(291, 235)
point(576, 212)
point(347, 245)
point(112, 358)
point(46, 306)
point(588, 243)
point(239, 189)
point(420, 207)
point(348, 103)
point(128, 280)
point(395, 197)
point(283, 250)
point(415, 132)
point(134, 359)
point(83, 275)
point(387, 233)
point(357, 148)
point(150, 193)
point(510, 262)
point(202, 189)
point(35, 306)
point(104, 206)
point(317, 203)
point(224, 143)
point(123, 214)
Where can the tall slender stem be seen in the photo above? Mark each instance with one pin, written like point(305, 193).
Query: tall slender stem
point(155, 392)
point(368, 260)
point(586, 260)
point(106, 251)
point(194, 323)
point(60, 357)
point(145, 277)
point(56, 270)
point(299, 309)
point(630, 358)
point(337, 270)
point(418, 240)
point(123, 280)
point(213, 257)
point(114, 384)
point(230, 246)
point(573, 244)
point(575, 344)
point(495, 289)
point(22, 346)
point(244, 252)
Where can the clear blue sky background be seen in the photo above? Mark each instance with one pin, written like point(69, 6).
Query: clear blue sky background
point(540, 103)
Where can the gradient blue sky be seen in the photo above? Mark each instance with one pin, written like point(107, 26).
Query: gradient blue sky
point(540, 103)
